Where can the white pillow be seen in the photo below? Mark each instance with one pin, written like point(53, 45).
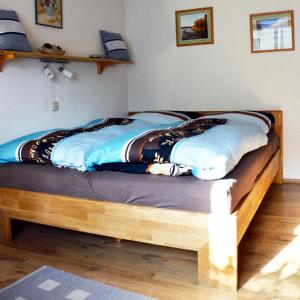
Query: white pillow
point(255, 118)
point(160, 117)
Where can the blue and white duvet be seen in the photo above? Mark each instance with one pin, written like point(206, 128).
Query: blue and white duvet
point(209, 147)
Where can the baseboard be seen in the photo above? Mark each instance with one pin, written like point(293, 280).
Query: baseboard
point(291, 181)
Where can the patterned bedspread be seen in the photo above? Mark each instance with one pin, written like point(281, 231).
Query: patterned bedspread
point(39, 150)
point(208, 147)
point(151, 151)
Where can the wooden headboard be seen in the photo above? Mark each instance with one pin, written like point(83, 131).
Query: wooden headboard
point(277, 127)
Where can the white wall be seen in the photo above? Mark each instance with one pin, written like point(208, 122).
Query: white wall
point(221, 76)
point(26, 96)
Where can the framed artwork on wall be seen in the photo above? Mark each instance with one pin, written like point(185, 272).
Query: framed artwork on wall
point(272, 32)
point(195, 27)
point(49, 13)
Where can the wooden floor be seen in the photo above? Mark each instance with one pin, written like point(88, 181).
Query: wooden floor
point(269, 257)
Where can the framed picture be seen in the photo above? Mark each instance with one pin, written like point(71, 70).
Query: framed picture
point(195, 27)
point(272, 32)
point(49, 13)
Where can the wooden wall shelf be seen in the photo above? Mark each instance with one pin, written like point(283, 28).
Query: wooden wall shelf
point(102, 63)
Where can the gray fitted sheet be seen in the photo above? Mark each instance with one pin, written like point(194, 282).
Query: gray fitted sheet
point(182, 193)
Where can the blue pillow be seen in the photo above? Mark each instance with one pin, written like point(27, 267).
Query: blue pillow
point(114, 45)
point(12, 35)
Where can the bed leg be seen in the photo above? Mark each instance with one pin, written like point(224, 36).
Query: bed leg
point(217, 269)
point(279, 177)
point(218, 259)
point(5, 229)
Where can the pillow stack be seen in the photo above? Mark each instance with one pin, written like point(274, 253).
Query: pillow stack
point(12, 35)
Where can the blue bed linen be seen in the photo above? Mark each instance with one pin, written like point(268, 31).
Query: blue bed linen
point(9, 150)
point(211, 154)
point(73, 152)
point(112, 150)
point(210, 146)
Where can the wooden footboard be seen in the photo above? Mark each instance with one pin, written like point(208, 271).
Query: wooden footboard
point(214, 237)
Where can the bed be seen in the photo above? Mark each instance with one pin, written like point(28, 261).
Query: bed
point(214, 234)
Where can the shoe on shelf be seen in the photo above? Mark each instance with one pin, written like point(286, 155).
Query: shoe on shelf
point(47, 48)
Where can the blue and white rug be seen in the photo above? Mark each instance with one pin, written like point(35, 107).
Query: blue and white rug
point(51, 284)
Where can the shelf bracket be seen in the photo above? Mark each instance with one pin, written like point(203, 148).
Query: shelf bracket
point(3, 58)
point(101, 66)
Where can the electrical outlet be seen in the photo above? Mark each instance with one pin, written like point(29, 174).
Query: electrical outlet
point(55, 106)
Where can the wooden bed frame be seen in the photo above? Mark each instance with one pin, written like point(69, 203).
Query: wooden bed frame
point(214, 237)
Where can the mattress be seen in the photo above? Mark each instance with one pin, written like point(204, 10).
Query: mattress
point(181, 193)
